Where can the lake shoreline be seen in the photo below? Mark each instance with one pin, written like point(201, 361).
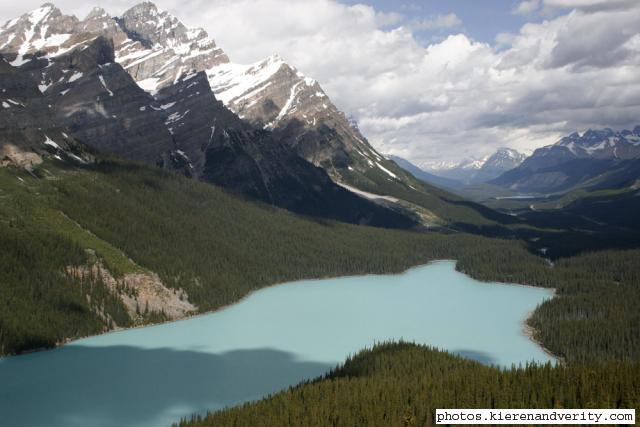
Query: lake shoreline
point(270, 341)
point(527, 330)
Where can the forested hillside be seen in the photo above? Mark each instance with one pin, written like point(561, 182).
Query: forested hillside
point(212, 248)
point(403, 384)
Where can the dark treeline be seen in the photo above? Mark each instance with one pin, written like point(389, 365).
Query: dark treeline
point(596, 315)
point(403, 384)
point(40, 303)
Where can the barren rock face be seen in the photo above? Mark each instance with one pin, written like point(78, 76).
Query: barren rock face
point(12, 155)
point(151, 293)
point(100, 103)
point(160, 48)
point(28, 129)
point(141, 293)
point(274, 95)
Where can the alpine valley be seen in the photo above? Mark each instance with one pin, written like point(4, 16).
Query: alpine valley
point(147, 178)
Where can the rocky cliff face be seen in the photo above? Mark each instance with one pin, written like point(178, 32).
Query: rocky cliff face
point(160, 49)
point(28, 129)
point(101, 104)
point(274, 95)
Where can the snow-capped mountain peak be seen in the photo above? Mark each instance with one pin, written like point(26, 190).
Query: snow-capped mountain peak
point(465, 164)
point(235, 83)
point(289, 93)
point(96, 13)
point(599, 144)
point(475, 170)
point(44, 30)
point(436, 165)
point(159, 29)
point(504, 159)
point(473, 163)
point(151, 44)
point(573, 160)
point(159, 49)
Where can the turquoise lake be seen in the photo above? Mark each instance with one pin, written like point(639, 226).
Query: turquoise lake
point(276, 337)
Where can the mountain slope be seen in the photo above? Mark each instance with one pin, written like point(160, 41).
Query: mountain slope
point(28, 129)
point(220, 148)
point(101, 104)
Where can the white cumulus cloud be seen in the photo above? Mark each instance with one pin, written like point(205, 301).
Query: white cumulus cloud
point(527, 7)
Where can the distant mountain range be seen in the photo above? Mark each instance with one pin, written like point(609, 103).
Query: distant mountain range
point(596, 158)
point(474, 171)
point(425, 176)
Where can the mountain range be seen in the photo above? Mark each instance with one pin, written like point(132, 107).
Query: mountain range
point(144, 87)
point(595, 159)
point(475, 171)
point(425, 176)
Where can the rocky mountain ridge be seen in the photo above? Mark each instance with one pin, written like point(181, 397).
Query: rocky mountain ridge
point(28, 129)
point(573, 160)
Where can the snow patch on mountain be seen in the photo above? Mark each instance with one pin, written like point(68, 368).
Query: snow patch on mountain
point(236, 83)
point(598, 144)
point(476, 170)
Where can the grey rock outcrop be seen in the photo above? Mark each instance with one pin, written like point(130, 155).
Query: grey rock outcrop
point(101, 104)
point(28, 129)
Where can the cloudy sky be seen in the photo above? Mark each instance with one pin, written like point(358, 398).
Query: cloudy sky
point(435, 80)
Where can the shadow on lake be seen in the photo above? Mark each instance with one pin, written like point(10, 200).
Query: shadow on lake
point(51, 388)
